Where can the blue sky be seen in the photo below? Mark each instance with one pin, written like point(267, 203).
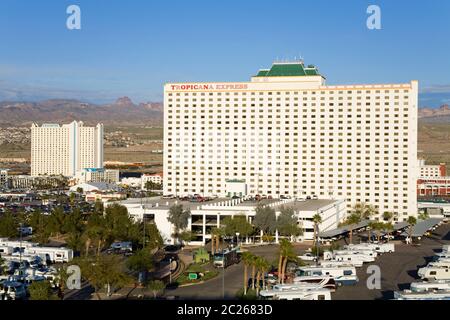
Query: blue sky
point(133, 47)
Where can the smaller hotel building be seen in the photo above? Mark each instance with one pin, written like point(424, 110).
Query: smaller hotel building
point(65, 150)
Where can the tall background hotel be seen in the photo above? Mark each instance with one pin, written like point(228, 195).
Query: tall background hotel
point(287, 133)
point(66, 149)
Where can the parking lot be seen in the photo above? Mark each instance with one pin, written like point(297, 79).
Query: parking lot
point(398, 269)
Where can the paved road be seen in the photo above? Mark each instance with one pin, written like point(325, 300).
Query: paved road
point(230, 282)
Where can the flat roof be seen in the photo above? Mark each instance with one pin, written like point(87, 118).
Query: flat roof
point(422, 227)
point(342, 230)
point(150, 203)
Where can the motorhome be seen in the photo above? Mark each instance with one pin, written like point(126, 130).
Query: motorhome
point(350, 258)
point(434, 273)
point(317, 294)
point(4, 242)
point(270, 293)
point(364, 251)
point(378, 247)
point(439, 263)
point(327, 282)
point(6, 251)
point(344, 275)
point(355, 256)
point(426, 286)
point(409, 295)
point(52, 254)
point(334, 263)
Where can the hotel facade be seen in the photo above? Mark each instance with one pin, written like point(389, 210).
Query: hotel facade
point(65, 150)
point(288, 133)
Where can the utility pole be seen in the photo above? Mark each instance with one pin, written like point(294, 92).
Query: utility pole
point(20, 249)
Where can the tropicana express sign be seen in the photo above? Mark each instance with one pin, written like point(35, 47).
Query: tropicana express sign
point(208, 86)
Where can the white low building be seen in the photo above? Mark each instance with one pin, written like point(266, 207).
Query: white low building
point(206, 216)
point(131, 182)
point(94, 186)
point(155, 178)
point(96, 175)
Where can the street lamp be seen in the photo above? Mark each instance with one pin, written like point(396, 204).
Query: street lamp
point(237, 236)
point(20, 249)
point(170, 270)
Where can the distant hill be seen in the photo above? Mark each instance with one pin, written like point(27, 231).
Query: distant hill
point(441, 114)
point(123, 112)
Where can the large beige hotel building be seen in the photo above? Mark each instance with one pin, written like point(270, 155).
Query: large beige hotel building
point(66, 149)
point(288, 133)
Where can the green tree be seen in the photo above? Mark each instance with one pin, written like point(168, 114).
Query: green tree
point(352, 221)
point(262, 266)
point(39, 223)
point(179, 217)
point(104, 271)
point(41, 290)
point(247, 259)
point(140, 261)
point(153, 238)
point(56, 222)
point(155, 287)
point(9, 226)
point(317, 220)
point(287, 223)
point(423, 215)
point(265, 219)
point(286, 254)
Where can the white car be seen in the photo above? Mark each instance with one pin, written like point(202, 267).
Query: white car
point(308, 256)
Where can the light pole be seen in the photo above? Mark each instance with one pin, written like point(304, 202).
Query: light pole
point(223, 274)
point(237, 236)
point(20, 249)
point(170, 270)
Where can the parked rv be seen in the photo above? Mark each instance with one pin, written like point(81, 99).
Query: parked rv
point(343, 275)
point(226, 258)
point(426, 286)
point(378, 247)
point(364, 251)
point(317, 294)
point(409, 295)
point(434, 273)
point(334, 263)
point(54, 255)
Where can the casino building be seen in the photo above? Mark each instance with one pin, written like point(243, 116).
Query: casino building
point(287, 133)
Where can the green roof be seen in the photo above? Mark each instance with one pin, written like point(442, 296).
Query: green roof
point(288, 69)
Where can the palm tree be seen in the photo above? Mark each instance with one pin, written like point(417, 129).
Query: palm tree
point(423, 215)
point(284, 243)
point(351, 221)
point(287, 253)
point(317, 219)
point(253, 263)
point(412, 221)
point(389, 217)
point(262, 265)
point(247, 259)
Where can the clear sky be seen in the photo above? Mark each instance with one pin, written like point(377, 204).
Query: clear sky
point(133, 47)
